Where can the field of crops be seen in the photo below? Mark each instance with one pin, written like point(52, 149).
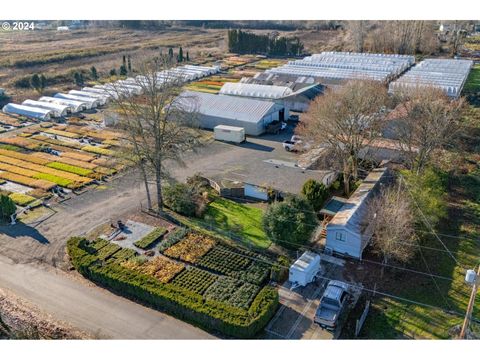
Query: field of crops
point(49, 155)
point(212, 85)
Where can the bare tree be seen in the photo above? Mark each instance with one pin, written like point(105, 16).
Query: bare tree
point(392, 224)
point(357, 30)
point(430, 120)
point(159, 127)
point(346, 120)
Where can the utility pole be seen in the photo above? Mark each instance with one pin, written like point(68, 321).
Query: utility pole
point(468, 315)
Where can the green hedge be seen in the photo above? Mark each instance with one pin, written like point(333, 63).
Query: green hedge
point(184, 304)
point(150, 238)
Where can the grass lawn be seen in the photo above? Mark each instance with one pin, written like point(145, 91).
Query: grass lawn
point(241, 222)
point(473, 80)
point(460, 232)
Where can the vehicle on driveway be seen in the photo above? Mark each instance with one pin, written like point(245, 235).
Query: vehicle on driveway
point(296, 143)
point(332, 305)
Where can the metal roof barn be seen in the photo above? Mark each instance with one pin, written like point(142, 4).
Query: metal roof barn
point(255, 90)
point(75, 105)
point(347, 232)
point(92, 102)
point(102, 99)
point(57, 109)
point(252, 115)
point(448, 75)
point(28, 111)
point(344, 66)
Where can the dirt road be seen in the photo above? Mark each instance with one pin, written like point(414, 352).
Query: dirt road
point(90, 308)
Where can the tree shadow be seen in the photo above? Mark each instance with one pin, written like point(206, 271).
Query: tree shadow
point(20, 230)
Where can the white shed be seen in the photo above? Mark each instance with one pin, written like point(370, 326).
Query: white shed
point(57, 109)
point(304, 270)
point(28, 111)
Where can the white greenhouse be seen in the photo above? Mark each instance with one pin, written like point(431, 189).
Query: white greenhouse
point(92, 102)
point(103, 92)
point(255, 90)
point(74, 105)
point(28, 111)
point(102, 99)
point(448, 75)
point(343, 66)
point(57, 109)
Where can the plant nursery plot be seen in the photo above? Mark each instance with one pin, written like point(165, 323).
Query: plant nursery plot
point(152, 237)
point(160, 267)
point(238, 263)
point(223, 289)
point(27, 157)
point(69, 168)
point(124, 254)
point(21, 199)
point(24, 180)
point(191, 248)
point(99, 243)
point(105, 252)
point(244, 295)
point(195, 280)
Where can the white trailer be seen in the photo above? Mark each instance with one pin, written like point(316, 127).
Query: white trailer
point(304, 270)
point(229, 133)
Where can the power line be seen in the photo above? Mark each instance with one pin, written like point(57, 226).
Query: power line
point(429, 225)
point(354, 286)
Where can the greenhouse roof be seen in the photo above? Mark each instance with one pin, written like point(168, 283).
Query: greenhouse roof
point(255, 90)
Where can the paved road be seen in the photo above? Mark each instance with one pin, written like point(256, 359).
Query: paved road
point(89, 308)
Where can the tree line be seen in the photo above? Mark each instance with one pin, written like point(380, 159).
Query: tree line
point(244, 42)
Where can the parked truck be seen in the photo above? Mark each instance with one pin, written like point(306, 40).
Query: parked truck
point(332, 304)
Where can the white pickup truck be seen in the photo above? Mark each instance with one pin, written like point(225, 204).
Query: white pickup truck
point(332, 304)
point(296, 143)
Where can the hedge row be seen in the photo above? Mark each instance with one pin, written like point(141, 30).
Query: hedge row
point(150, 238)
point(182, 303)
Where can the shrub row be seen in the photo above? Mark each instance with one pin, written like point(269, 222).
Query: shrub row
point(186, 305)
point(172, 239)
point(150, 238)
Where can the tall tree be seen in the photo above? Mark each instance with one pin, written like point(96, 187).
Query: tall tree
point(428, 122)
point(129, 63)
point(43, 82)
point(7, 207)
point(170, 53)
point(346, 120)
point(187, 57)
point(36, 83)
point(161, 125)
point(180, 54)
point(392, 224)
point(93, 73)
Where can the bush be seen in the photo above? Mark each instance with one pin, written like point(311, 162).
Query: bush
point(7, 207)
point(172, 239)
point(290, 223)
point(150, 238)
point(316, 193)
point(179, 198)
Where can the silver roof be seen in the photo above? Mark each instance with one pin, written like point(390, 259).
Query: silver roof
point(224, 106)
point(255, 90)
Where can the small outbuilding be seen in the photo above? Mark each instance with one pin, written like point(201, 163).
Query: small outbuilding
point(304, 269)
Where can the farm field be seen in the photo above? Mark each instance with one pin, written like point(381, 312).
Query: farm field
point(45, 156)
point(192, 279)
point(473, 81)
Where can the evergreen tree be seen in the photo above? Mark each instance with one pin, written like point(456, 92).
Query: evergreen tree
point(170, 53)
point(113, 72)
point(180, 54)
point(123, 70)
point(129, 64)
point(124, 61)
point(43, 82)
point(7, 207)
point(78, 77)
point(35, 82)
point(187, 57)
point(93, 72)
